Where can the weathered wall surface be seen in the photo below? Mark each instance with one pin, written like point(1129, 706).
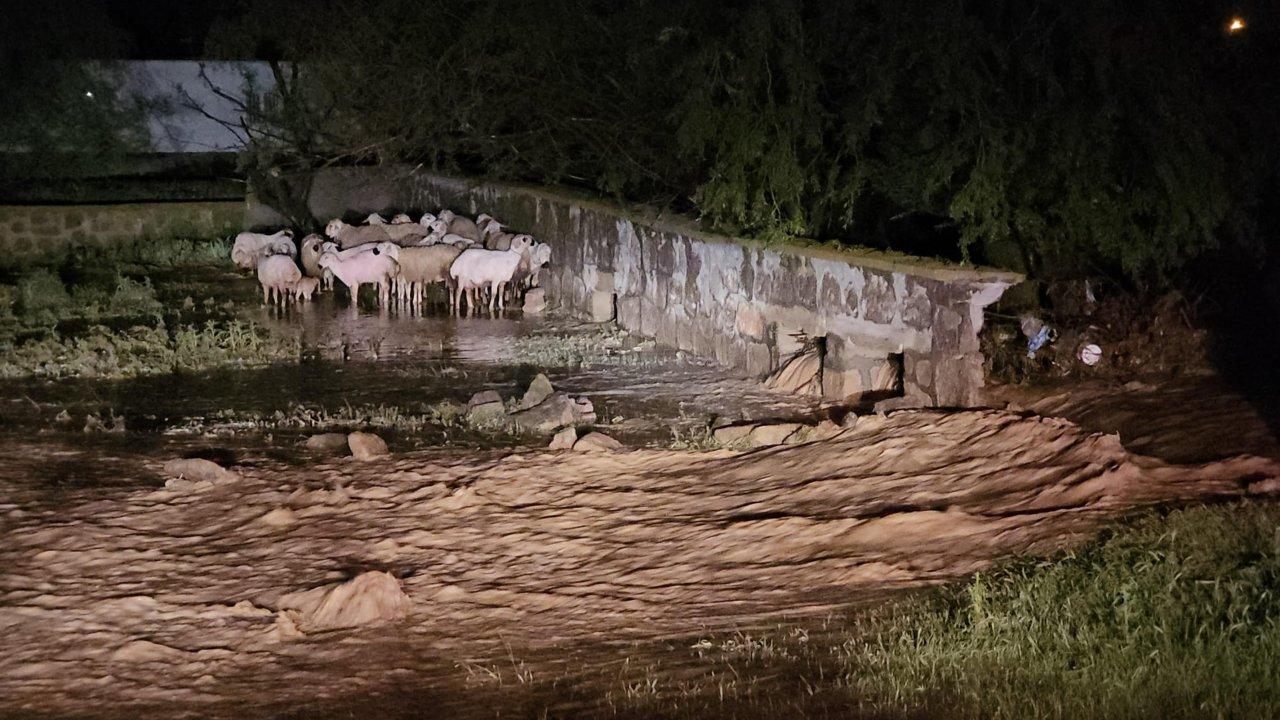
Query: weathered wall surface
point(746, 305)
point(28, 229)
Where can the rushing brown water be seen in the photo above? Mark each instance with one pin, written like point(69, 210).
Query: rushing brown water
point(537, 583)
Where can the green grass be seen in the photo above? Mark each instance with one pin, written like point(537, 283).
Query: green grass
point(1168, 616)
point(94, 312)
point(1175, 616)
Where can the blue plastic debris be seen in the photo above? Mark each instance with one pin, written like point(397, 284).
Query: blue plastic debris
point(1037, 341)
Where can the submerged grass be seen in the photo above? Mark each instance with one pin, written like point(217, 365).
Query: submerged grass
point(570, 350)
point(102, 352)
point(94, 312)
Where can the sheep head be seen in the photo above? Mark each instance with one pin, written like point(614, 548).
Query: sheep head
point(334, 227)
point(446, 215)
point(375, 219)
point(520, 243)
point(401, 219)
point(427, 219)
point(541, 255)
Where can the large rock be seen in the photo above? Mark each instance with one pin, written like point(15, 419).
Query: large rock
point(327, 442)
point(197, 470)
point(535, 301)
point(596, 442)
point(367, 446)
point(367, 599)
point(557, 411)
point(540, 389)
point(564, 439)
point(485, 407)
point(802, 375)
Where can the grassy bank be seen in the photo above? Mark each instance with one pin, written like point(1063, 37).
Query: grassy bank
point(1170, 616)
point(1175, 616)
point(127, 310)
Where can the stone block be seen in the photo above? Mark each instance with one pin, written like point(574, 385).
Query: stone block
point(605, 282)
point(759, 359)
point(535, 301)
point(603, 308)
point(629, 312)
point(750, 321)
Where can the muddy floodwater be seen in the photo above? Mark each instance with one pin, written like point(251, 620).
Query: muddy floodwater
point(530, 582)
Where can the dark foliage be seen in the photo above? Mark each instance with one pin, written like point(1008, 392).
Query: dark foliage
point(1075, 137)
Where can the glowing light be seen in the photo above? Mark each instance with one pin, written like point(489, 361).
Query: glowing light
point(1236, 25)
point(88, 93)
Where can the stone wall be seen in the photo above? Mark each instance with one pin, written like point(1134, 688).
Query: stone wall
point(28, 229)
point(886, 321)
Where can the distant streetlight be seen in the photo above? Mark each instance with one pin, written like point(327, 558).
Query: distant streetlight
point(1235, 26)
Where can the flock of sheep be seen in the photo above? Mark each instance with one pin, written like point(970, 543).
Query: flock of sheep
point(471, 258)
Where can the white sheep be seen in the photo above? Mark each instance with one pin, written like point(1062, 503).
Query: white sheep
point(376, 265)
point(305, 288)
point(410, 233)
point(250, 247)
point(278, 275)
point(478, 270)
point(375, 219)
point(349, 236)
point(401, 219)
point(541, 257)
point(427, 219)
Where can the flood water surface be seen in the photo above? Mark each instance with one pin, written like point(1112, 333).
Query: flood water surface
point(475, 573)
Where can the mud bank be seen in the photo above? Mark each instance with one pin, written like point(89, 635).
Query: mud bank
point(151, 598)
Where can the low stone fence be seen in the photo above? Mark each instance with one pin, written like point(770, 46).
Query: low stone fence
point(886, 323)
point(31, 229)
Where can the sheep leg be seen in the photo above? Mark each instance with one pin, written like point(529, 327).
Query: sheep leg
point(355, 295)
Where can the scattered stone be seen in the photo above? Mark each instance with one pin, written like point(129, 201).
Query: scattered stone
point(564, 439)
point(557, 411)
point(596, 442)
point(765, 435)
point(367, 446)
point(196, 471)
point(535, 301)
point(801, 375)
point(486, 408)
point(540, 389)
point(327, 442)
point(484, 397)
point(367, 599)
point(732, 435)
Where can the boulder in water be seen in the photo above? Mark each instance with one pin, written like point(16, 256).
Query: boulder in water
point(540, 389)
point(556, 411)
point(196, 471)
point(596, 442)
point(327, 442)
point(564, 439)
point(367, 599)
point(367, 446)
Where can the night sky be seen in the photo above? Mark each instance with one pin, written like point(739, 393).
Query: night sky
point(167, 29)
